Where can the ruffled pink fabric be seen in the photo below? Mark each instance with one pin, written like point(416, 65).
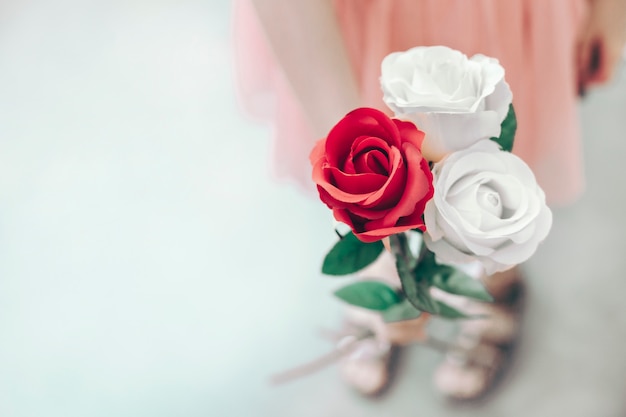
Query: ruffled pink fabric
point(533, 39)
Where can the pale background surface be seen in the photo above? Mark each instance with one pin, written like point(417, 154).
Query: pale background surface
point(150, 266)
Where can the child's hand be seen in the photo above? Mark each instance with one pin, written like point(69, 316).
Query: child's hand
point(601, 42)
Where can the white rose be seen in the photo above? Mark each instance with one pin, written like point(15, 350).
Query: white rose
point(456, 101)
point(487, 206)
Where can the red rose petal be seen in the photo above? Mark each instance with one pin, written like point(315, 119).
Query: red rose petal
point(378, 162)
point(357, 183)
point(318, 151)
point(419, 182)
point(378, 234)
point(360, 215)
point(370, 154)
point(330, 201)
point(368, 213)
point(366, 237)
point(410, 133)
point(364, 143)
point(360, 122)
point(323, 178)
point(349, 167)
point(389, 194)
point(344, 217)
point(417, 187)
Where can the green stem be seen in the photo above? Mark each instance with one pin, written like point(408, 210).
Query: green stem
point(416, 289)
point(402, 252)
point(423, 251)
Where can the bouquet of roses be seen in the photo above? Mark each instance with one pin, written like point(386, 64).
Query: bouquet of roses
point(441, 168)
point(439, 173)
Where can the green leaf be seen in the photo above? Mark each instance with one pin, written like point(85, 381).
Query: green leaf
point(452, 280)
point(372, 295)
point(400, 312)
point(423, 300)
point(455, 281)
point(450, 312)
point(508, 128)
point(350, 255)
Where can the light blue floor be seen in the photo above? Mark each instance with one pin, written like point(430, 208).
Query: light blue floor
point(150, 266)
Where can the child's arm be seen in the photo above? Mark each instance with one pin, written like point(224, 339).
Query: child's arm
point(307, 42)
point(601, 42)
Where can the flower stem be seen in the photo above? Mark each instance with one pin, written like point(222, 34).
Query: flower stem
point(402, 252)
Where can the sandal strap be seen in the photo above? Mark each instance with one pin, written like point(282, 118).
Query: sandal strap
point(471, 352)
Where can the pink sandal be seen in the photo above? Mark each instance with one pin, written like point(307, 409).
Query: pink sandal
point(484, 348)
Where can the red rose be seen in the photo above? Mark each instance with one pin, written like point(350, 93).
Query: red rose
point(371, 173)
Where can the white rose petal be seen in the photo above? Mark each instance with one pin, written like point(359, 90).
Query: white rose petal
point(487, 206)
point(455, 100)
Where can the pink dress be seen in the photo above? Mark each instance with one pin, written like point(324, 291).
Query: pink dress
point(533, 39)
